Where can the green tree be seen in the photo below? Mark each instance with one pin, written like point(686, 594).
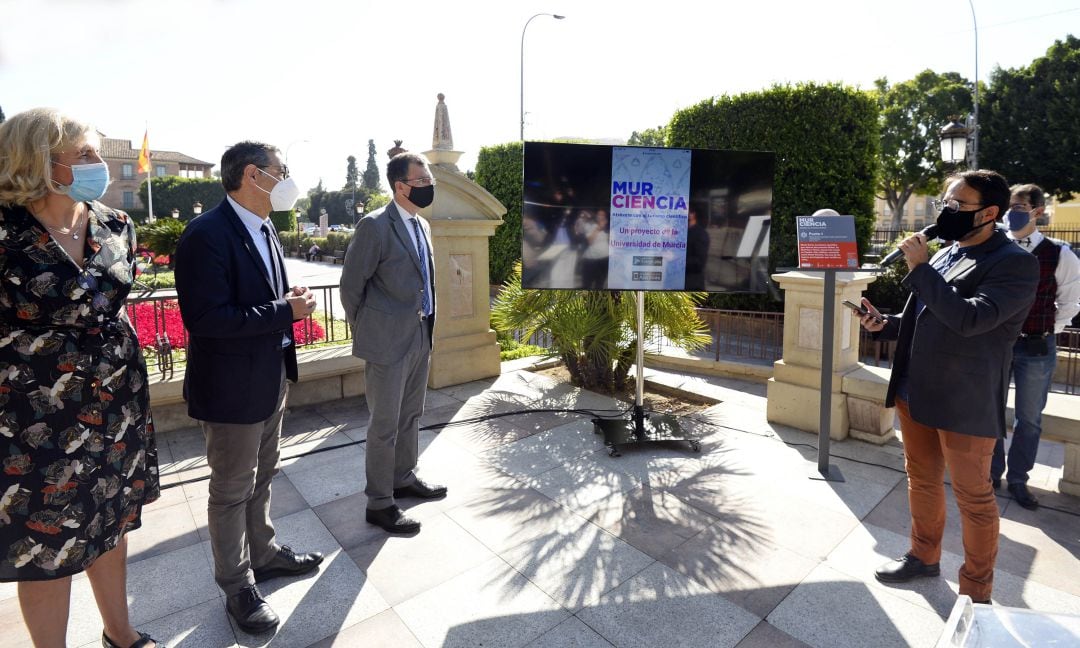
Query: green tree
point(2, 116)
point(499, 169)
point(826, 140)
point(1030, 121)
point(594, 332)
point(174, 192)
point(371, 171)
point(649, 137)
point(284, 221)
point(912, 114)
point(162, 237)
point(351, 174)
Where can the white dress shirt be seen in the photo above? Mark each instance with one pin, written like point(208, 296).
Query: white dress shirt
point(1067, 276)
point(254, 223)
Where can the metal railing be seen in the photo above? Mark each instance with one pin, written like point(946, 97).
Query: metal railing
point(163, 337)
point(883, 237)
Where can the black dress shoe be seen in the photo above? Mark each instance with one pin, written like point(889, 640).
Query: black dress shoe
point(250, 611)
point(1023, 496)
point(906, 568)
point(144, 641)
point(421, 490)
point(287, 563)
point(393, 520)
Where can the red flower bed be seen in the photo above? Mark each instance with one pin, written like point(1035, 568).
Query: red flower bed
point(166, 322)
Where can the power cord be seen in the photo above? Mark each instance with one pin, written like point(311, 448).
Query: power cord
point(611, 414)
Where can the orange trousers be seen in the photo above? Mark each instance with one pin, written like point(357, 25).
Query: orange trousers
point(927, 453)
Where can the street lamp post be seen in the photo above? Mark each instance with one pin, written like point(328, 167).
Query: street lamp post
point(196, 209)
point(954, 138)
point(556, 17)
point(175, 213)
point(975, 120)
point(359, 213)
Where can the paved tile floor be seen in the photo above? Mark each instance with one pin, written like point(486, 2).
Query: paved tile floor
point(547, 541)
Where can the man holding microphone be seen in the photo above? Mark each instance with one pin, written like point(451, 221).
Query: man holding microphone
point(950, 374)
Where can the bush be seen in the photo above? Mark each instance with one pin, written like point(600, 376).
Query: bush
point(150, 322)
point(499, 170)
point(826, 141)
point(174, 192)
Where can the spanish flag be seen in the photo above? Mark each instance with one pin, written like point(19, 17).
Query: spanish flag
point(144, 154)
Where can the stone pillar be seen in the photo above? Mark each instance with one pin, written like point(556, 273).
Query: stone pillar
point(794, 390)
point(463, 217)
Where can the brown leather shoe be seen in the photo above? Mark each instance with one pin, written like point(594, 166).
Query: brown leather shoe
point(392, 520)
point(287, 563)
point(250, 611)
point(906, 568)
point(421, 490)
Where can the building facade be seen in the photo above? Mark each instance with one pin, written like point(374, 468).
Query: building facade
point(123, 161)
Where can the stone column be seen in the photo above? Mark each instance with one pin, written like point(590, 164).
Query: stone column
point(463, 217)
point(794, 390)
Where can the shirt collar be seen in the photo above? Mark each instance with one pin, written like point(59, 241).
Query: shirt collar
point(1028, 242)
point(405, 212)
point(251, 220)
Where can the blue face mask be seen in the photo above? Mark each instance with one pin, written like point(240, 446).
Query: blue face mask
point(88, 181)
point(1017, 219)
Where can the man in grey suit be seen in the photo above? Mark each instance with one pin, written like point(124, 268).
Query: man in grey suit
point(950, 374)
point(388, 290)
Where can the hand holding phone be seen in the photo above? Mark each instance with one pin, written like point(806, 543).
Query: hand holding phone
point(863, 311)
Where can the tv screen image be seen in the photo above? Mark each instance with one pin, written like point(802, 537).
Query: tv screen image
point(600, 217)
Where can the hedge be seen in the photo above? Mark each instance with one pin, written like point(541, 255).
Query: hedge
point(499, 170)
point(826, 141)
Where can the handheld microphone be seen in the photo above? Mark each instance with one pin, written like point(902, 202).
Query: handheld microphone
point(930, 232)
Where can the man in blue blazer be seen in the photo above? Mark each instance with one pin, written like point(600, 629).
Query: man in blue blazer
point(950, 373)
point(238, 310)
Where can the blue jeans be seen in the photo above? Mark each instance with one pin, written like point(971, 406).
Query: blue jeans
point(1032, 375)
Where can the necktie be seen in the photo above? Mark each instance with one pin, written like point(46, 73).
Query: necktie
point(274, 269)
point(421, 249)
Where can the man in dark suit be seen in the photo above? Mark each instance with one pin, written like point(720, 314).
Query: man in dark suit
point(388, 290)
point(950, 375)
point(232, 288)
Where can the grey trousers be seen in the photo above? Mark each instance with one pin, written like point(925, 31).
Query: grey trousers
point(243, 459)
point(395, 398)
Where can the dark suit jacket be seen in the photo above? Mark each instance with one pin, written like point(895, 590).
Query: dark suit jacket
point(382, 284)
point(957, 352)
point(234, 320)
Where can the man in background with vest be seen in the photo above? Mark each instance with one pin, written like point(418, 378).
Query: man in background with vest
point(1057, 300)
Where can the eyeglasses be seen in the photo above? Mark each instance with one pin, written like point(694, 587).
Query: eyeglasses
point(426, 181)
point(284, 170)
point(952, 205)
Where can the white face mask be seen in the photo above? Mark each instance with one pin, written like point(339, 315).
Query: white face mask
point(284, 195)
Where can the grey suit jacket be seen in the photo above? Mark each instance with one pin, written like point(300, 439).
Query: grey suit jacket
point(382, 284)
point(958, 350)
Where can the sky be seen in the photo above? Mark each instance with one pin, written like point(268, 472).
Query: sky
point(319, 78)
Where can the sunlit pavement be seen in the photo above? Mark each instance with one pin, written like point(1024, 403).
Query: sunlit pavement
point(546, 540)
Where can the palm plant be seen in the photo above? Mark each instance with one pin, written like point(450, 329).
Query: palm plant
point(594, 332)
point(162, 236)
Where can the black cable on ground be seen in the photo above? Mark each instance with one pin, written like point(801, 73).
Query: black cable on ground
point(871, 463)
point(617, 414)
point(437, 426)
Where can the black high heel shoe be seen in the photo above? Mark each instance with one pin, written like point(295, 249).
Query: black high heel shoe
point(145, 641)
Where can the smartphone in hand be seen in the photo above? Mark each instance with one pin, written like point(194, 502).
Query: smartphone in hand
point(861, 310)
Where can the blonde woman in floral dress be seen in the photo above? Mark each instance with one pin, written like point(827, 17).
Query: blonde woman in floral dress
point(76, 437)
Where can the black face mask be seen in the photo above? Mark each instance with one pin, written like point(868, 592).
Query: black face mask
point(421, 196)
point(953, 225)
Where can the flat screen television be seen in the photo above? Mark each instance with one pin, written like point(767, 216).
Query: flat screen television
point(600, 217)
